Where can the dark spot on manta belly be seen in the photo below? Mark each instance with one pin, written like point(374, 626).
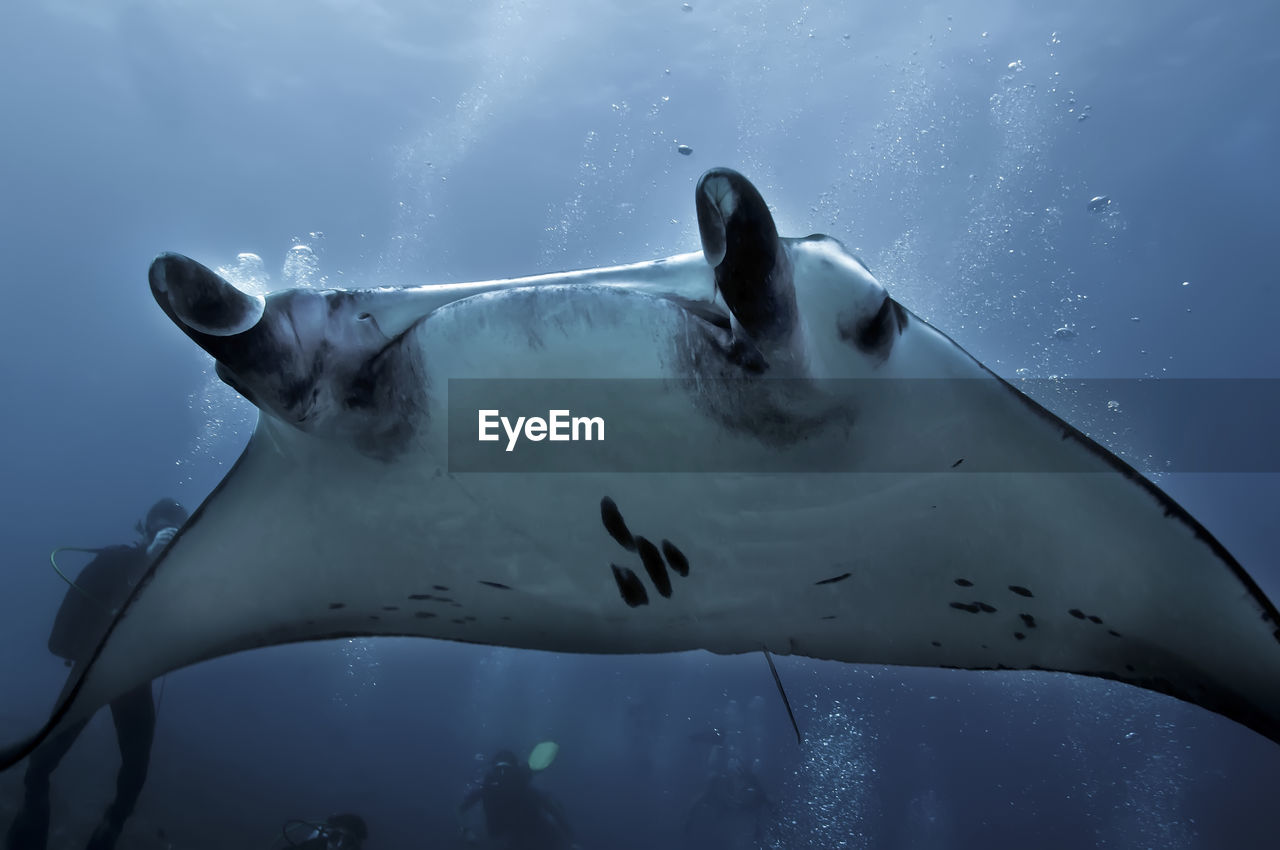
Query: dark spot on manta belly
point(629, 585)
point(1077, 613)
point(654, 566)
point(440, 587)
point(423, 615)
point(829, 617)
point(334, 606)
point(899, 312)
point(1019, 635)
point(964, 582)
point(421, 596)
point(834, 579)
point(872, 334)
point(990, 609)
point(499, 585)
point(614, 524)
point(957, 463)
point(936, 643)
point(390, 607)
point(966, 606)
point(1114, 633)
point(675, 558)
point(1093, 618)
point(1029, 620)
point(1021, 591)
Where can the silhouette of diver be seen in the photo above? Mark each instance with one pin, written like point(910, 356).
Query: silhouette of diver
point(84, 617)
point(338, 832)
point(517, 815)
point(731, 812)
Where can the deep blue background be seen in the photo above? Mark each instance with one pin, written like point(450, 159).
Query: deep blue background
point(486, 139)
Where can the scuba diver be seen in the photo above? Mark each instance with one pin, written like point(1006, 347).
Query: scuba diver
point(87, 611)
point(517, 816)
point(338, 832)
point(731, 813)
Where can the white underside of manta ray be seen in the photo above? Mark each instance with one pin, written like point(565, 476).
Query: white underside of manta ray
point(1041, 550)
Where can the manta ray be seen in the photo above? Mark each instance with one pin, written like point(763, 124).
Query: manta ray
point(962, 527)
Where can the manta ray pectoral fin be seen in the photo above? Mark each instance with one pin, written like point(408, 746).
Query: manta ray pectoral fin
point(752, 269)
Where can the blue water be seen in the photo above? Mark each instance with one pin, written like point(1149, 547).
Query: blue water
point(351, 142)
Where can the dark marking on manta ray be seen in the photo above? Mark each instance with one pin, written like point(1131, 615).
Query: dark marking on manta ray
point(654, 566)
point(872, 334)
point(957, 463)
point(1019, 635)
point(899, 312)
point(966, 606)
point(334, 606)
point(499, 585)
point(1021, 591)
point(1114, 633)
point(936, 643)
point(829, 617)
point(390, 607)
point(746, 356)
point(1094, 618)
point(440, 587)
point(421, 596)
point(505, 618)
point(633, 592)
point(990, 609)
point(423, 615)
point(833, 579)
point(1077, 613)
point(675, 558)
point(1029, 620)
point(614, 524)
point(964, 582)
